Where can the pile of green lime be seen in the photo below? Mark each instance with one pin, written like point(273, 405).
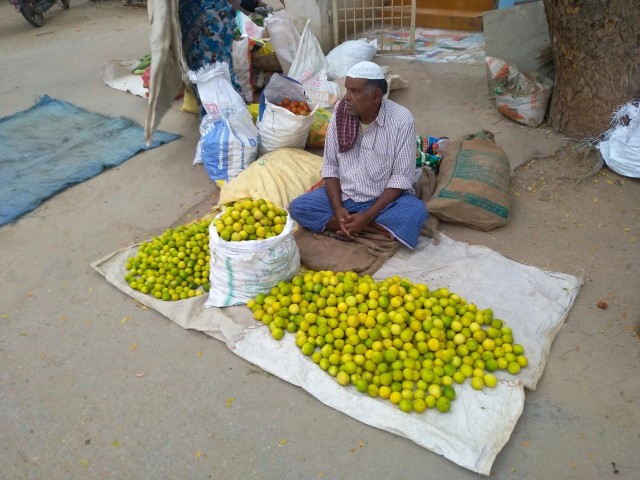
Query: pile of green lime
point(173, 266)
point(392, 339)
point(250, 219)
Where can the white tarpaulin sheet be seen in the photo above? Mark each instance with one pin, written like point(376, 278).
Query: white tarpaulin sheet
point(534, 303)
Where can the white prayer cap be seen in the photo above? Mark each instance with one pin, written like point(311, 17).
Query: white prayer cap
point(368, 70)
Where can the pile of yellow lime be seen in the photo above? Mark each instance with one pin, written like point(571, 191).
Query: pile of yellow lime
point(173, 266)
point(392, 339)
point(250, 219)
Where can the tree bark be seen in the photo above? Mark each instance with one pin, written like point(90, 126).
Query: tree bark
point(596, 51)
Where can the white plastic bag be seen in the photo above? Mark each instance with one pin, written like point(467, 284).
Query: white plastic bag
point(241, 270)
point(248, 26)
point(284, 38)
point(228, 138)
point(310, 69)
point(347, 54)
point(621, 148)
point(242, 66)
point(277, 126)
point(522, 98)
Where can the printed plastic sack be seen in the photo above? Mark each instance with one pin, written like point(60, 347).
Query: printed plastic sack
point(310, 69)
point(428, 154)
point(228, 138)
point(522, 98)
point(277, 126)
point(621, 148)
point(347, 54)
point(499, 71)
point(241, 270)
point(319, 127)
point(248, 26)
point(284, 37)
point(241, 54)
point(473, 184)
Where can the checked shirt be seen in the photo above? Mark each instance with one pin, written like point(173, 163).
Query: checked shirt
point(384, 156)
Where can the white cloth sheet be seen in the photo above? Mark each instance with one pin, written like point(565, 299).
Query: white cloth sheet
point(534, 303)
point(117, 74)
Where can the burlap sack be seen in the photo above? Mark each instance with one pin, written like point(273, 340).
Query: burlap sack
point(473, 184)
point(424, 188)
point(323, 251)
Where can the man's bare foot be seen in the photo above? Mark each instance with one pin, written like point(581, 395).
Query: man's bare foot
point(333, 225)
point(341, 236)
point(377, 229)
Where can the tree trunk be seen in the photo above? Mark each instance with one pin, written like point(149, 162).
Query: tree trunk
point(596, 51)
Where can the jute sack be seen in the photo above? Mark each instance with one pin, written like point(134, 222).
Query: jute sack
point(473, 184)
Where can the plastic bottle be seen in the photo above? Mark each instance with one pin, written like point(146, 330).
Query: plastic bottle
point(443, 143)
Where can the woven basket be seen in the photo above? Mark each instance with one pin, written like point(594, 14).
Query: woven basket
point(269, 63)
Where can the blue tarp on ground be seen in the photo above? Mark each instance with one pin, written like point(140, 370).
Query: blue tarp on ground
point(54, 145)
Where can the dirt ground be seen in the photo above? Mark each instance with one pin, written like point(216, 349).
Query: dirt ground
point(74, 403)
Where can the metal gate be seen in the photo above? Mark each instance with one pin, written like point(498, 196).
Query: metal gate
point(391, 22)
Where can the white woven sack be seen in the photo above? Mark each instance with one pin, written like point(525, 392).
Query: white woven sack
point(277, 126)
point(284, 38)
point(310, 69)
point(228, 138)
point(621, 148)
point(347, 54)
point(241, 270)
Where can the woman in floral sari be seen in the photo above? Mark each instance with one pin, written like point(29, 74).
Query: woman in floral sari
point(207, 33)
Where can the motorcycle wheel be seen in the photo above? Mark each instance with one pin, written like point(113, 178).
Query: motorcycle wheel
point(30, 14)
point(64, 4)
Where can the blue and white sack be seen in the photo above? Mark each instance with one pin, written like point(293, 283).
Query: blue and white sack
point(228, 138)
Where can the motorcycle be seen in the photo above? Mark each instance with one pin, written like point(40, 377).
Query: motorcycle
point(33, 10)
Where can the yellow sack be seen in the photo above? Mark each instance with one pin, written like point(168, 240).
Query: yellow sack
point(253, 110)
point(279, 176)
point(319, 127)
point(266, 49)
point(189, 101)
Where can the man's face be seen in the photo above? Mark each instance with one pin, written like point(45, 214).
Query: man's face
point(360, 98)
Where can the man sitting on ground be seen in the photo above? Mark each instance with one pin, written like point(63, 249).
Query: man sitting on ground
point(368, 168)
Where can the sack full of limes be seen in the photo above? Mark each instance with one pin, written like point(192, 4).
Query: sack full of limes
point(252, 248)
